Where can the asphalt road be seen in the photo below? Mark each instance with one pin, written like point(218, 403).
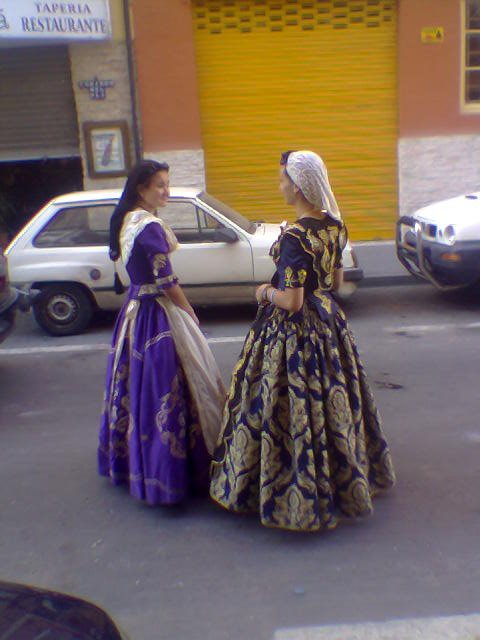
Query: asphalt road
point(198, 573)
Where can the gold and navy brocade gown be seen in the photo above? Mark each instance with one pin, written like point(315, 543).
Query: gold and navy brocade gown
point(301, 440)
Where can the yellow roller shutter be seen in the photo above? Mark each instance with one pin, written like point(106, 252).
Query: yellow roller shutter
point(292, 74)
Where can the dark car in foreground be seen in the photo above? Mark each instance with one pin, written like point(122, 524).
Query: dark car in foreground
point(32, 613)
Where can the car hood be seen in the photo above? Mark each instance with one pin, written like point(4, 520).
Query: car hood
point(459, 210)
point(269, 230)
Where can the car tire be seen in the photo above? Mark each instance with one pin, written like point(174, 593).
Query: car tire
point(63, 309)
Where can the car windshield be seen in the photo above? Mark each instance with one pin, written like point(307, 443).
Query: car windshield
point(228, 212)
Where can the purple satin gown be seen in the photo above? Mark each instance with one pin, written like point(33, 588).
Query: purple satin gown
point(150, 437)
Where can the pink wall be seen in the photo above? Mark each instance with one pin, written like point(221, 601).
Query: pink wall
point(429, 74)
point(166, 74)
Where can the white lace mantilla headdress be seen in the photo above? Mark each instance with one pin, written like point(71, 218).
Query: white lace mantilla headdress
point(309, 173)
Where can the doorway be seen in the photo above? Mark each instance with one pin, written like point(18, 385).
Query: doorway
point(25, 186)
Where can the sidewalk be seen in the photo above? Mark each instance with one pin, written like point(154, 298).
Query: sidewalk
point(380, 265)
point(443, 628)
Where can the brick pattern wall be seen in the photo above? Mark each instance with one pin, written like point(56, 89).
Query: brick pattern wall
point(106, 61)
point(187, 167)
point(436, 168)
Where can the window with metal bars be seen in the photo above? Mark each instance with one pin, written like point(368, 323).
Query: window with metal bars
point(471, 84)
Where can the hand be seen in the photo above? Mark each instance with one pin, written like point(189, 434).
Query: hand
point(259, 294)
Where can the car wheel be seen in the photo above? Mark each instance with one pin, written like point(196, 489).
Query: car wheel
point(63, 310)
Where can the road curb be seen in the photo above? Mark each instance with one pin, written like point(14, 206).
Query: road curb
point(388, 281)
point(465, 627)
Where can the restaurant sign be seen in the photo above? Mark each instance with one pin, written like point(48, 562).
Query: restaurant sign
point(23, 20)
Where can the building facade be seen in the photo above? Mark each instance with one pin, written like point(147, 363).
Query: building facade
point(439, 100)
point(242, 81)
point(386, 91)
point(66, 102)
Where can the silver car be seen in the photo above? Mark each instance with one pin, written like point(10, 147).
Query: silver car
point(61, 256)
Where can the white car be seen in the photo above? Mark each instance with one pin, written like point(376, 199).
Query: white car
point(441, 242)
point(61, 256)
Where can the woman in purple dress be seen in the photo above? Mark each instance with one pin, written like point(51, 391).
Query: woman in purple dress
point(164, 395)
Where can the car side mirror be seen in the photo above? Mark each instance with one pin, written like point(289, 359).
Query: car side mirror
point(224, 234)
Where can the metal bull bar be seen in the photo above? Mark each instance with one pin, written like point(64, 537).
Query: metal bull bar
point(421, 265)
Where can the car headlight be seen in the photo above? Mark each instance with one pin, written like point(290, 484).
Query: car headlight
point(449, 234)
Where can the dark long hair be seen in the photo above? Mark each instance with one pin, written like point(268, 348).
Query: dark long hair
point(139, 176)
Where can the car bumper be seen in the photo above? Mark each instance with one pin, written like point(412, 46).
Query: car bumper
point(353, 275)
point(7, 322)
point(15, 300)
point(7, 313)
point(443, 265)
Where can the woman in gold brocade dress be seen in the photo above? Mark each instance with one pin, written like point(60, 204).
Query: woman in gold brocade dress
point(301, 441)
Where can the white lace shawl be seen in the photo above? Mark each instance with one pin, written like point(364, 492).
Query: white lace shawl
point(134, 223)
point(309, 173)
point(201, 371)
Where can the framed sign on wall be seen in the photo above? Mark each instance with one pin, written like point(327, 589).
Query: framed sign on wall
point(107, 147)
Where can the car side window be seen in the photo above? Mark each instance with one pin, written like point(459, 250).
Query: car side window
point(190, 223)
point(77, 227)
